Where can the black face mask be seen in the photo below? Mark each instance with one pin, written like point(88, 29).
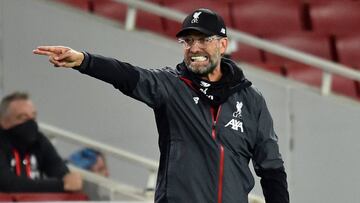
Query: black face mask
point(24, 135)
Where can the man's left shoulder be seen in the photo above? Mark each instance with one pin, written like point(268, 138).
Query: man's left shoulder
point(252, 91)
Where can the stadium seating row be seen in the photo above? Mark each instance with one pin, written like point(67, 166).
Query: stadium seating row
point(256, 17)
point(325, 28)
point(36, 197)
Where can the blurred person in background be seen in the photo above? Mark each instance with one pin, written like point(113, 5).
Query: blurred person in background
point(91, 160)
point(28, 161)
point(211, 120)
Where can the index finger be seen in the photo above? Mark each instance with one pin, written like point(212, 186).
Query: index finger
point(47, 53)
point(46, 50)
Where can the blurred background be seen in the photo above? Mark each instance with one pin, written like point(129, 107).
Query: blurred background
point(303, 55)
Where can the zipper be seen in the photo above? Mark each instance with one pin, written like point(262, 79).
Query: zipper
point(221, 151)
point(221, 174)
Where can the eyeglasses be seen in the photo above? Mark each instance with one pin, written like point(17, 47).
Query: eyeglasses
point(187, 42)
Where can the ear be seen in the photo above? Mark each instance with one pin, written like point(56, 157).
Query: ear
point(223, 45)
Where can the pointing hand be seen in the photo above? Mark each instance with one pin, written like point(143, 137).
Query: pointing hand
point(61, 56)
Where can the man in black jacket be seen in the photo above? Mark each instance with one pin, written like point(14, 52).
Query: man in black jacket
point(28, 161)
point(210, 120)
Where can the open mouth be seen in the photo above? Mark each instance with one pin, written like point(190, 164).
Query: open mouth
point(199, 58)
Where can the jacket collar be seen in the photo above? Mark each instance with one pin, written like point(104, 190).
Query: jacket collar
point(216, 93)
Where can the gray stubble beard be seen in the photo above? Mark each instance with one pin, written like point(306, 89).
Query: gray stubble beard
point(206, 70)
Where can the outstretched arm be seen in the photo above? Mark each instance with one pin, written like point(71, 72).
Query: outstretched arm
point(61, 56)
point(142, 84)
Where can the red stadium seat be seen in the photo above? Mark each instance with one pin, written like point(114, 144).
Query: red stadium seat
point(247, 54)
point(345, 86)
point(6, 197)
point(36, 197)
point(173, 27)
point(267, 17)
point(150, 21)
point(311, 76)
point(111, 9)
point(310, 43)
point(304, 73)
point(276, 69)
point(325, 1)
point(348, 48)
point(117, 11)
point(336, 17)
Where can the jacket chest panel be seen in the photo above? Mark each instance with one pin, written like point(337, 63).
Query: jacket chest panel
point(236, 126)
point(189, 116)
point(24, 165)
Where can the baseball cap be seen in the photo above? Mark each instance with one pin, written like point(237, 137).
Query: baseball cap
point(205, 21)
point(84, 158)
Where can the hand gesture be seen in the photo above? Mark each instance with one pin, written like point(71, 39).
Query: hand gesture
point(61, 56)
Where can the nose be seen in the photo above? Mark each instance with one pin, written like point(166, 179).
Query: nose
point(195, 47)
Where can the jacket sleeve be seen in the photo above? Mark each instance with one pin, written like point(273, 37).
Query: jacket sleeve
point(268, 163)
point(51, 164)
point(9, 182)
point(142, 84)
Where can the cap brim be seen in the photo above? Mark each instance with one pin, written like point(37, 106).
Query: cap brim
point(184, 31)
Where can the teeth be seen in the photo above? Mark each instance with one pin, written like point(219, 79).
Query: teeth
point(198, 58)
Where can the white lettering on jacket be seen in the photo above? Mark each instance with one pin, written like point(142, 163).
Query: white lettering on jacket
point(235, 125)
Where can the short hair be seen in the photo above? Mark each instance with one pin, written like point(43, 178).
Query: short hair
point(5, 102)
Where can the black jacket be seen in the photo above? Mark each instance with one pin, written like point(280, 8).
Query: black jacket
point(205, 149)
point(46, 167)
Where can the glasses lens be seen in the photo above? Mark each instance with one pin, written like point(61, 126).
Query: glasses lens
point(202, 41)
